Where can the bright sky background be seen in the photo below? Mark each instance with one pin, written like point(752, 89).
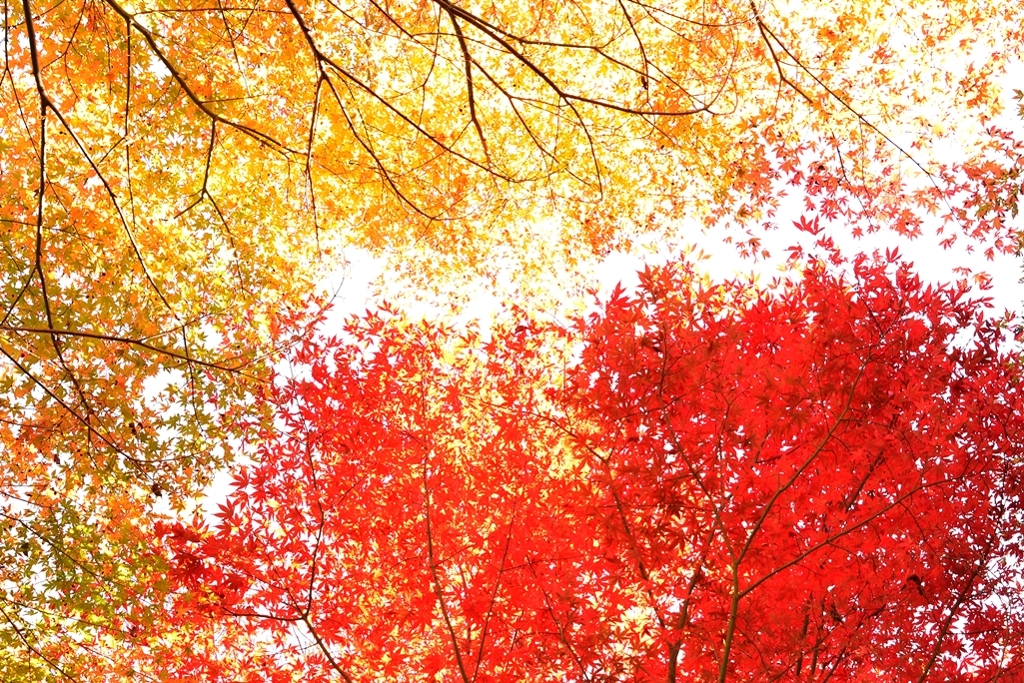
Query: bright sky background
point(353, 286)
point(353, 283)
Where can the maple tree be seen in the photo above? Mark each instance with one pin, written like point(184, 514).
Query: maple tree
point(175, 174)
point(815, 480)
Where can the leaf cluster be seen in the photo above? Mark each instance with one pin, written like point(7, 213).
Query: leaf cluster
point(811, 481)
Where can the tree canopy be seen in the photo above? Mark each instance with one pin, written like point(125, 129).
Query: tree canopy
point(176, 176)
point(815, 481)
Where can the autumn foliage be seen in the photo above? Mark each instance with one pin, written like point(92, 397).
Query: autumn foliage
point(177, 177)
point(814, 480)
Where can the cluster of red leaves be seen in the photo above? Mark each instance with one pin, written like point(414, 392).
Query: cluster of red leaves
point(814, 481)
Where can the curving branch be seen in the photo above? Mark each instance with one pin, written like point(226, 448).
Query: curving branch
point(85, 334)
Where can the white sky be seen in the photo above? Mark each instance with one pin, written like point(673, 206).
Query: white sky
point(353, 284)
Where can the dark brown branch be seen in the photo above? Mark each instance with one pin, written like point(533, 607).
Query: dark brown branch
point(494, 595)
point(326, 651)
point(24, 639)
point(309, 155)
point(763, 30)
point(201, 104)
point(644, 74)
point(186, 357)
point(954, 608)
point(348, 76)
point(860, 117)
point(91, 430)
point(561, 628)
point(436, 579)
point(47, 105)
point(502, 38)
point(470, 96)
